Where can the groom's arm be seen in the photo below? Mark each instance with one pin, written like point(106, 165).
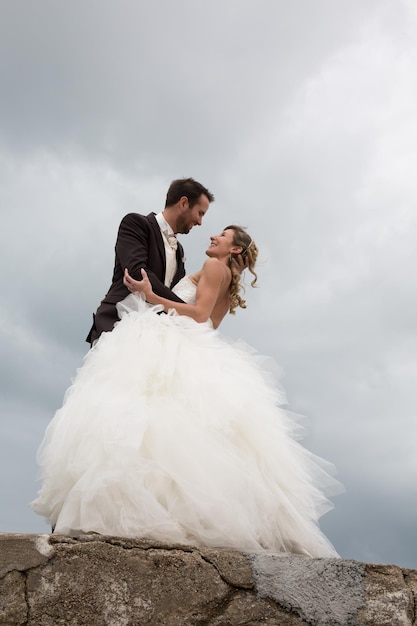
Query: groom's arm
point(134, 250)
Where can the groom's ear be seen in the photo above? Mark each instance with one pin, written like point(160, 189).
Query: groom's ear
point(184, 203)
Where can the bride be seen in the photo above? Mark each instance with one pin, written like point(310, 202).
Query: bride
point(170, 432)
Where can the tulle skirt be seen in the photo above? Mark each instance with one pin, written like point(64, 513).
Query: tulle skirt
point(171, 432)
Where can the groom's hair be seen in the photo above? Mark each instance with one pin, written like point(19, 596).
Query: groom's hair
point(186, 187)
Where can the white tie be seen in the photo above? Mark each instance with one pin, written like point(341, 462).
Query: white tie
point(170, 245)
point(172, 240)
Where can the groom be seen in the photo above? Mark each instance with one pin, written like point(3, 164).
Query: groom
point(150, 242)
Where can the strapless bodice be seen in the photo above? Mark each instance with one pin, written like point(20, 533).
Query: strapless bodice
point(186, 290)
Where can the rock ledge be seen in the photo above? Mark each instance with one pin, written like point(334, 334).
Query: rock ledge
point(50, 580)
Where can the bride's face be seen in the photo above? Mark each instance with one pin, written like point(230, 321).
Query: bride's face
point(222, 245)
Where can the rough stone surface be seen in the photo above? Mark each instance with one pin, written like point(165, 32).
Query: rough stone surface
point(410, 577)
point(21, 552)
point(13, 607)
point(320, 591)
point(124, 586)
point(233, 567)
point(246, 609)
point(50, 580)
point(389, 600)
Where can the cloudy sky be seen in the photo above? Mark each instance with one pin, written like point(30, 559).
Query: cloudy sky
point(300, 116)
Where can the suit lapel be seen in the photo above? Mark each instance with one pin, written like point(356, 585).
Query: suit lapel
point(158, 236)
point(180, 264)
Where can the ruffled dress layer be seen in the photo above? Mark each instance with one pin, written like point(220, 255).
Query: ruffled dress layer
point(171, 432)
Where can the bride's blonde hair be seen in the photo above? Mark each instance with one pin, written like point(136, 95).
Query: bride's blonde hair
point(250, 254)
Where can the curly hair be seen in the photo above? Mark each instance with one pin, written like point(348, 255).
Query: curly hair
point(250, 254)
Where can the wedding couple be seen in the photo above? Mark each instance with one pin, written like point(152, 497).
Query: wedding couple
point(169, 431)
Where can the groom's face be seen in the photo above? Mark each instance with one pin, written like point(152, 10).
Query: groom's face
point(192, 217)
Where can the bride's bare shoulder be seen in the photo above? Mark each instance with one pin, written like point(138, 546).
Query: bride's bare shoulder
point(215, 267)
point(213, 263)
point(208, 266)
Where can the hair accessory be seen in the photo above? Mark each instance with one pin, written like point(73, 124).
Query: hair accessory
point(247, 247)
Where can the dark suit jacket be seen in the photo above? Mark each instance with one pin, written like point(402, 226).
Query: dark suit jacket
point(139, 245)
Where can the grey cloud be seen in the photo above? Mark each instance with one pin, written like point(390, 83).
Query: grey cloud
point(142, 84)
point(376, 527)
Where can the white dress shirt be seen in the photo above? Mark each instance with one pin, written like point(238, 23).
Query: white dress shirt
point(170, 251)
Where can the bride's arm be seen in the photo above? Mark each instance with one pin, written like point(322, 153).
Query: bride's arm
point(212, 279)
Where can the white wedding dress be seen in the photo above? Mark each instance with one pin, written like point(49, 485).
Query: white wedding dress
point(170, 432)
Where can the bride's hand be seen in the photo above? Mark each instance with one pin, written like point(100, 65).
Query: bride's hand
point(141, 286)
point(240, 263)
